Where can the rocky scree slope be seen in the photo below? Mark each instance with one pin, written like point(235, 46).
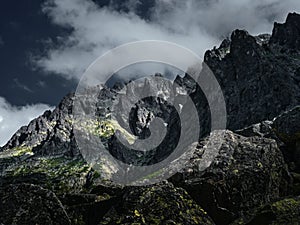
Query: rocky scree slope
point(255, 179)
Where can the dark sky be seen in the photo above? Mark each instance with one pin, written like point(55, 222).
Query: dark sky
point(24, 28)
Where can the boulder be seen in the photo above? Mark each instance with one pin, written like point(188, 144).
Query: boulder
point(287, 128)
point(156, 204)
point(247, 172)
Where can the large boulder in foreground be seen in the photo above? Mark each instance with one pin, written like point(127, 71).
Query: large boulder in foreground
point(248, 172)
point(287, 125)
point(31, 204)
point(157, 204)
point(287, 128)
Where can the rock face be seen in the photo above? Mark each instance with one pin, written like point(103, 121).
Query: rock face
point(286, 211)
point(258, 78)
point(31, 204)
point(287, 35)
point(49, 134)
point(158, 204)
point(263, 129)
point(287, 128)
point(44, 178)
point(247, 173)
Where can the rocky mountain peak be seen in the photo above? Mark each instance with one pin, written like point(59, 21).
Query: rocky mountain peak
point(241, 46)
point(258, 75)
point(287, 34)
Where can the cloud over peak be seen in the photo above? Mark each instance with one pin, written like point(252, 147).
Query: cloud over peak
point(195, 24)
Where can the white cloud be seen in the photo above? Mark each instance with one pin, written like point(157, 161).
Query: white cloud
point(13, 117)
point(41, 83)
point(22, 86)
point(196, 24)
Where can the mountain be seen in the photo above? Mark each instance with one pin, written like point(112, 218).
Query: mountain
point(254, 178)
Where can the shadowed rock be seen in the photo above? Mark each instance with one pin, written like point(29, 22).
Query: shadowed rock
point(285, 211)
point(157, 204)
point(247, 172)
point(31, 204)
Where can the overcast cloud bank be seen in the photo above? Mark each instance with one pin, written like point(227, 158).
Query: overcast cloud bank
point(195, 24)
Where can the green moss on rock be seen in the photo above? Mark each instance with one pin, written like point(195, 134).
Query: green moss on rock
point(16, 152)
point(157, 204)
point(285, 211)
point(62, 174)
